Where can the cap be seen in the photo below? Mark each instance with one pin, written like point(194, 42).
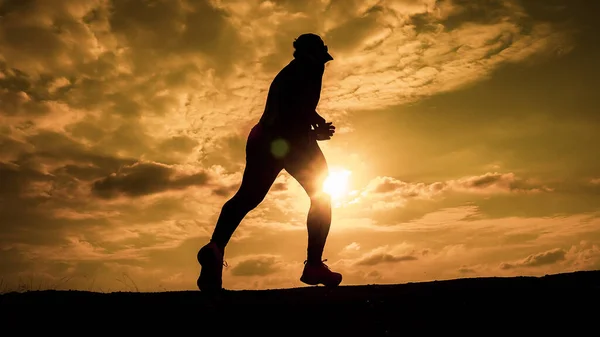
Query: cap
point(312, 43)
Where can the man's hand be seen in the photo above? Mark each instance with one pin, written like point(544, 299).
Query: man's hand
point(323, 131)
point(316, 119)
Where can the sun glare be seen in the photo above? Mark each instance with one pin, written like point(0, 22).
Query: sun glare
point(336, 184)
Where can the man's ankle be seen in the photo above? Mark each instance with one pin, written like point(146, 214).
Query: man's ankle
point(313, 262)
point(220, 246)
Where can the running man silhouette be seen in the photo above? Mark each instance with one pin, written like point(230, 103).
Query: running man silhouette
point(284, 138)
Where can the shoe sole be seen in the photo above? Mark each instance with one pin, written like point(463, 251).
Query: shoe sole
point(209, 279)
point(314, 283)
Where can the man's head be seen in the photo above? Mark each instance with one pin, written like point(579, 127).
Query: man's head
point(312, 46)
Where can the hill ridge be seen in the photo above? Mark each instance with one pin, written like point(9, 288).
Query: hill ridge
point(546, 303)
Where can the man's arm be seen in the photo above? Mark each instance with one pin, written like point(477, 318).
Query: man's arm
point(316, 119)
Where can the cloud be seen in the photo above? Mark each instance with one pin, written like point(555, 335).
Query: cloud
point(537, 260)
point(102, 102)
point(496, 183)
point(388, 185)
point(145, 178)
point(466, 270)
point(400, 53)
point(385, 53)
point(162, 73)
point(584, 256)
point(75, 249)
point(148, 85)
point(257, 266)
point(384, 255)
point(388, 193)
point(488, 183)
point(470, 226)
point(351, 248)
point(110, 73)
point(384, 258)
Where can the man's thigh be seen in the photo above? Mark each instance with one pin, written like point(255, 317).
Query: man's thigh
point(307, 164)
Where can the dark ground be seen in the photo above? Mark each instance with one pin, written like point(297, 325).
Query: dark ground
point(562, 304)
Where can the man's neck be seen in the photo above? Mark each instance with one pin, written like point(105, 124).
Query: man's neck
point(310, 63)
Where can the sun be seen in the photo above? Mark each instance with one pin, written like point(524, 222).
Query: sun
point(336, 183)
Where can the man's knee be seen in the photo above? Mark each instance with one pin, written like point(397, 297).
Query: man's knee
point(321, 199)
point(246, 201)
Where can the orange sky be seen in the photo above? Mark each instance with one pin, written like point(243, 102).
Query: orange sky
point(469, 130)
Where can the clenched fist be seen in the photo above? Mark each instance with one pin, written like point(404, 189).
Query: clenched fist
point(324, 131)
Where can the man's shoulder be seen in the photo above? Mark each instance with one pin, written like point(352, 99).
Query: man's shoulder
point(289, 73)
point(290, 69)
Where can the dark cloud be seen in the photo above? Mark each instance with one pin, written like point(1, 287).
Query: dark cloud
point(78, 85)
point(468, 12)
point(507, 182)
point(544, 258)
point(180, 144)
point(88, 130)
point(51, 146)
point(537, 260)
point(375, 259)
point(256, 266)
point(225, 191)
point(19, 102)
point(12, 259)
point(47, 181)
point(466, 270)
point(395, 192)
point(143, 179)
point(520, 238)
point(28, 199)
point(174, 29)
point(348, 36)
point(14, 180)
point(278, 187)
point(373, 274)
point(229, 152)
point(115, 62)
